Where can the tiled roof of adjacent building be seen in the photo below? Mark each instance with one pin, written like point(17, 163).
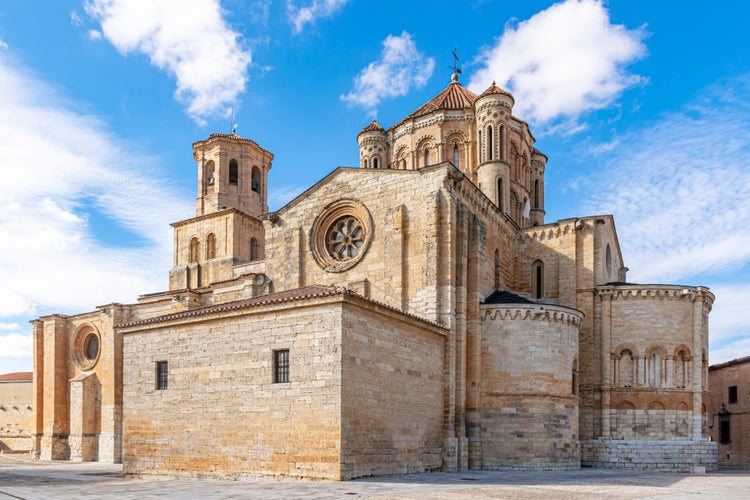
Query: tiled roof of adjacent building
point(506, 297)
point(17, 377)
point(734, 362)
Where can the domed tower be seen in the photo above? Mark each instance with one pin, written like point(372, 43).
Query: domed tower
point(493, 111)
point(373, 146)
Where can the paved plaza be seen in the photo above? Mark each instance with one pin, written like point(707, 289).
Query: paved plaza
point(23, 478)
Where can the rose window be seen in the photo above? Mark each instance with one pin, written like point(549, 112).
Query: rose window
point(345, 237)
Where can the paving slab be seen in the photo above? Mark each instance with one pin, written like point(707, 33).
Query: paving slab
point(24, 478)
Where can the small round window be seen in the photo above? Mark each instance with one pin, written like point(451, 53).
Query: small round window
point(86, 347)
point(340, 235)
point(92, 346)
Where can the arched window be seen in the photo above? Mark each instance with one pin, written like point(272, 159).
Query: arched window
point(426, 157)
point(193, 257)
point(497, 269)
point(456, 156)
point(655, 372)
point(608, 262)
point(210, 246)
point(537, 276)
point(253, 249)
point(501, 143)
point(479, 145)
point(209, 173)
point(681, 369)
point(375, 162)
point(625, 368)
point(255, 182)
point(500, 204)
point(490, 152)
point(234, 173)
point(536, 193)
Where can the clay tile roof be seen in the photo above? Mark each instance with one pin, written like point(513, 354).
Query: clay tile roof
point(453, 97)
point(494, 89)
point(374, 126)
point(17, 377)
point(506, 297)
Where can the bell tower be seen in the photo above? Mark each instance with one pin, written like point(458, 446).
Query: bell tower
point(232, 173)
point(226, 230)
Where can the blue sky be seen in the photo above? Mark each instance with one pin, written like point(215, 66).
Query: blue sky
point(642, 107)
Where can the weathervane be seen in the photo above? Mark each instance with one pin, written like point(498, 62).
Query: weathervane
point(234, 124)
point(455, 68)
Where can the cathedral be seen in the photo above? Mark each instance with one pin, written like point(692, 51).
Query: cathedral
point(415, 313)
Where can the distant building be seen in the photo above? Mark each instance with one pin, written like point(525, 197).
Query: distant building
point(16, 412)
point(730, 410)
point(412, 314)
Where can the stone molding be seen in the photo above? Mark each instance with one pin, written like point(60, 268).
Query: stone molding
point(533, 312)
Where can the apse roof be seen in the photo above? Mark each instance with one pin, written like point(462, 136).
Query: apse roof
point(506, 297)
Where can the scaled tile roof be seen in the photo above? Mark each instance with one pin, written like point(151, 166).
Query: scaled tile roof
point(454, 96)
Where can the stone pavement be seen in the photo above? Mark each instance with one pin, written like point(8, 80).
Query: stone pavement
point(23, 478)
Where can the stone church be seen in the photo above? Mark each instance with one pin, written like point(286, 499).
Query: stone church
point(416, 313)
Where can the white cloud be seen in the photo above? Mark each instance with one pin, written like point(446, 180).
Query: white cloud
point(400, 68)
point(3, 45)
point(9, 326)
point(57, 166)
point(309, 14)
point(188, 39)
point(15, 345)
point(680, 189)
point(562, 62)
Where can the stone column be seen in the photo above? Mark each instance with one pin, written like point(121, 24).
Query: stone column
point(606, 322)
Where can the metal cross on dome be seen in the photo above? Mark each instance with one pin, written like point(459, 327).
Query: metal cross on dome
point(455, 67)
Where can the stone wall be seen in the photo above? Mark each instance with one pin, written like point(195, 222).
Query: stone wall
point(529, 410)
point(658, 455)
point(16, 416)
point(223, 415)
point(733, 414)
point(392, 394)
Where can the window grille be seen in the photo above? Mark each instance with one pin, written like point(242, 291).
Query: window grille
point(162, 375)
point(281, 366)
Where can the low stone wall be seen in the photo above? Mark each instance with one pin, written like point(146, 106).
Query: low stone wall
point(676, 455)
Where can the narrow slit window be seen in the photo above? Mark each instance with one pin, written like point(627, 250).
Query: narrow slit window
point(162, 375)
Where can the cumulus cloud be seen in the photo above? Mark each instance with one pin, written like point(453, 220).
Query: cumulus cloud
point(188, 39)
point(59, 167)
point(15, 345)
point(310, 13)
point(400, 68)
point(562, 62)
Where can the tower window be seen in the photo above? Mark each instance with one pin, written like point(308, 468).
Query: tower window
point(233, 171)
point(536, 193)
point(426, 157)
point(455, 156)
point(253, 249)
point(500, 195)
point(375, 162)
point(255, 183)
point(193, 257)
point(490, 152)
point(209, 173)
point(733, 394)
point(162, 375)
point(210, 246)
point(281, 366)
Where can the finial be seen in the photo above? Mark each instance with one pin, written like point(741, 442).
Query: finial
point(234, 124)
point(455, 68)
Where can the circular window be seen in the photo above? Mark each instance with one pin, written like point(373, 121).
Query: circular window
point(345, 238)
point(86, 347)
point(340, 235)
